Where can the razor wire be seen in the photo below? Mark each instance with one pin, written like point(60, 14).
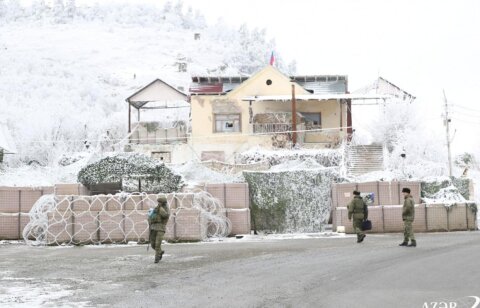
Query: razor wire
point(120, 218)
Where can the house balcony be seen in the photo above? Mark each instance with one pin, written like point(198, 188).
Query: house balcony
point(281, 132)
point(153, 133)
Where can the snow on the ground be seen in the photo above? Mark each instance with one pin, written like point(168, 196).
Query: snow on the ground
point(29, 292)
point(194, 173)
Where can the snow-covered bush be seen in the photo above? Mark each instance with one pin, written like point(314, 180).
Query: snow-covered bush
point(291, 201)
point(130, 167)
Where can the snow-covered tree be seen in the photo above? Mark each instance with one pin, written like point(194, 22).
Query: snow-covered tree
point(70, 8)
point(167, 8)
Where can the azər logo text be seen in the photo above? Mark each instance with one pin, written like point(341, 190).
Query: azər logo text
point(454, 304)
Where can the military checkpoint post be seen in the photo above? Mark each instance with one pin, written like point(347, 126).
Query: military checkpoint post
point(358, 210)
point(157, 220)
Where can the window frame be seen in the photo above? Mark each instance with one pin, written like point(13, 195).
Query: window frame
point(215, 115)
point(315, 113)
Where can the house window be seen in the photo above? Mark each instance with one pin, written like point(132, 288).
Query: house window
point(165, 157)
point(227, 123)
point(312, 120)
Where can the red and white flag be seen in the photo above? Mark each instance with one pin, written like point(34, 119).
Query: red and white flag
point(272, 59)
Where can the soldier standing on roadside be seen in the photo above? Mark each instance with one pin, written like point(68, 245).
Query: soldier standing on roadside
point(158, 219)
point(408, 216)
point(357, 209)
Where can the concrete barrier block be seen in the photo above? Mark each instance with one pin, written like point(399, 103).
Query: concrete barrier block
point(457, 217)
point(217, 191)
point(85, 227)
point(170, 233)
point(240, 221)
point(9, 226)
point(190, 225)
point(59, 228)
point(24, 220)
point(48, 190)
point(114, 204)
point(345, 193)
point(28, 199)
point(375, 215)
point(388, 193)
point(420, 222)
point(471, 219)
point(112, 226)
point(237, 196)
point(393, 221)
point(342, 220)
point(133, 202)
point(437, 217)
point(136, 226)
point(184, 200)
point(63, 203)
point(9, 200)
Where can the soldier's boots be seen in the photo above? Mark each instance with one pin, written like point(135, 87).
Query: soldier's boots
point(405, 243)
point(159, 257)
point(360, 238)
point(413, 243)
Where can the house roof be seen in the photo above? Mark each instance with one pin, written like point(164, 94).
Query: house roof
point(165, 92)
point(316, 84)
point(316, 97)
point(385, 87)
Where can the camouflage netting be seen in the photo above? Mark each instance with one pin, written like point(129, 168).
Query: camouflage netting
point(324, 157)
point(128, 168)
point(291, 201)
point(432, 187)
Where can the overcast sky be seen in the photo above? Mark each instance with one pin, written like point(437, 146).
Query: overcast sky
point(422, 46)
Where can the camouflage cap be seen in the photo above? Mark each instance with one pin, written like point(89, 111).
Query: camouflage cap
point(162, 199)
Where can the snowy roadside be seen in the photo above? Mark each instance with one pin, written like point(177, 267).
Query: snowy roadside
point(249, 238)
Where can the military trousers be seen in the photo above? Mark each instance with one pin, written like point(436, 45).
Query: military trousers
point(357, 226)
point(408, 230)
point(156, 239)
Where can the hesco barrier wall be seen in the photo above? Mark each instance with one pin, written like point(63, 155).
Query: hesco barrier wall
point(428, 218)
point(15, 204)
point(79, 218)
point(386, 193)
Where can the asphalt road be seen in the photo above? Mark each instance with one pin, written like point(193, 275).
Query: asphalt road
point(316, 272)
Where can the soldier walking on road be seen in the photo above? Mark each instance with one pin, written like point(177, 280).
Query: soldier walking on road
point(357, 209)
point(408, 216)
point(158, 219)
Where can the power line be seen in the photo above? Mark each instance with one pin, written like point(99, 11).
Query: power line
point(466, 108)
point(185, 137)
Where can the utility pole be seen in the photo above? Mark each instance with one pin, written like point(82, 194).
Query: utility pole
point(446, 122)
point(294, 117)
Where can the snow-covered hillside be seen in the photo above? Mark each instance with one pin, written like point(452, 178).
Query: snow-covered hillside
point(65, 71)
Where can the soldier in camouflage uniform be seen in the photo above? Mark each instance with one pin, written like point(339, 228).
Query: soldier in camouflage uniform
point(357, 209)
point(408, 215)
point(158, 225)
